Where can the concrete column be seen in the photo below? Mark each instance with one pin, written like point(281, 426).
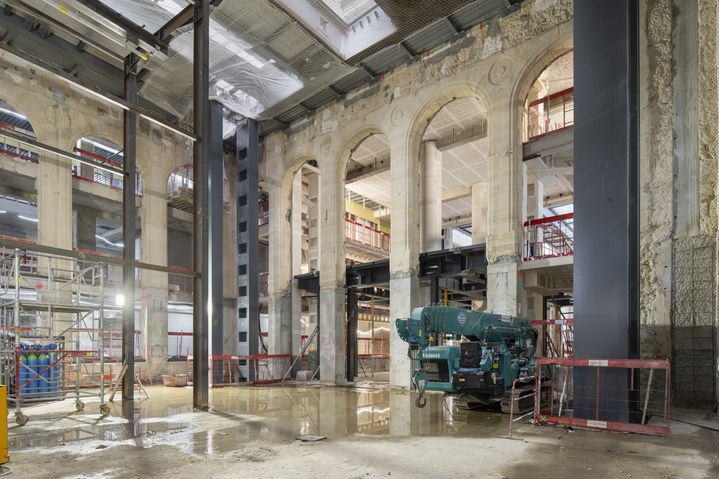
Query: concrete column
point(153, 284)
point(431, 190)
point(54, 185)
point(333, 348)
point(480, 207)
point(85, 229)
point(404, 254)
point(504, 236)
point(279, 186)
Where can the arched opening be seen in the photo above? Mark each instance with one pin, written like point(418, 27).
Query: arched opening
point(97, 195)
point(548, 203)
point(454, 173)
point(18, 204)
point(367, 222)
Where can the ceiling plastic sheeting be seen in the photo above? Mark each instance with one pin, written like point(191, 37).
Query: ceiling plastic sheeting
point(258, 56)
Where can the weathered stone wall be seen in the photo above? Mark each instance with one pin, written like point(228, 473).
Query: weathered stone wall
point(678, 197)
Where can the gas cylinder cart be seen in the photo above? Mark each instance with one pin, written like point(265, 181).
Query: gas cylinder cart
point(51, 334)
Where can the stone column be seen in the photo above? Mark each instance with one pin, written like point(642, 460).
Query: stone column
point(280, 247)
point(54, 184)
point(404, 254)
point(431, 211)
point(153, 284)
point(505, 214)
point(333, 348)
point(85, 225)
point(480, 199)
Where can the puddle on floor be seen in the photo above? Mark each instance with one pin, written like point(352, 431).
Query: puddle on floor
point(242, 415)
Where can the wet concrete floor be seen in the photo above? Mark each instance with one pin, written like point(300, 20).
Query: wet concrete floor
point(370, 431)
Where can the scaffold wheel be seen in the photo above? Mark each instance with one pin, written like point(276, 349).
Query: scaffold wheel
point(105, 410)
point(79, 405)
point(21, 419)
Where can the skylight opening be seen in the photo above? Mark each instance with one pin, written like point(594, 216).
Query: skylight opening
point(350, 10)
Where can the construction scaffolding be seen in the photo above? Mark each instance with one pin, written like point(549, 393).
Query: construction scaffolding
point(51, 329)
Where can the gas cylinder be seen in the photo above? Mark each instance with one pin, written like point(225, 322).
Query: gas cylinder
point(34, 384)
point(22, 387)
point(43, 361)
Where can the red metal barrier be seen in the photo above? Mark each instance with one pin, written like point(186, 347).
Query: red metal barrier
point(653, 397)
point(361, 233)
point(266, 368)
point(550, 113)
point(549, 237)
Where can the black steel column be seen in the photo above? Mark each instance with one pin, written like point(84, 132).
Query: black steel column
point(248, 196)
point(129, 214)
point(606, 201)
point(215, 214)
point(352, 307)
point(201, 155)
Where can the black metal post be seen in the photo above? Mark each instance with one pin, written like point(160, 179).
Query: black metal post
point(201, 155)
point(352, 306)
point(129, 214)
point(434, 290)
point(606, 177)
point(248, 195)
point(215, 213)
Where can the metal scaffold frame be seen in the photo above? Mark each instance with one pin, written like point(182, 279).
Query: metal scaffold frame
point(51, 306)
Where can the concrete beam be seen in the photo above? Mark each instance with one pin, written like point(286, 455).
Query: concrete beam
point(380, 165)
point(477, 132)
point(457, 193)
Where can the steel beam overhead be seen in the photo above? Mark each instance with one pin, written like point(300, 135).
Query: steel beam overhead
point(129, 213)
point(201, 157)
point(134, 31)
point(45, 52)
point(26, 245)
point(30, 141)
point(165, 32)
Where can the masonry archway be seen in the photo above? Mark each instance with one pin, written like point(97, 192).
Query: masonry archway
point(18, 201)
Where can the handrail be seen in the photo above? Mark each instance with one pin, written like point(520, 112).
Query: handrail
point(549, 219)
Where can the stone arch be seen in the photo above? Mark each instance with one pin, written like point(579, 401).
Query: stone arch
point(424, 115)
point(524, 80)
point(349, 146)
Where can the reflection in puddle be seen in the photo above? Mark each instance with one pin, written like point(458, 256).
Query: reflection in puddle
point(245, 414)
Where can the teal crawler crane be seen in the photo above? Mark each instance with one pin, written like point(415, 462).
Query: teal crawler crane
point(480, 371)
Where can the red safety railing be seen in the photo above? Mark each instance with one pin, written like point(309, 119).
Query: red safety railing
point(550, 113)
point(607, 392)
point(357, 231)
point(549, 237)
point(227, 370)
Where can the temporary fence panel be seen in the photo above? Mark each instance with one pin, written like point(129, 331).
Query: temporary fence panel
point(646, 395)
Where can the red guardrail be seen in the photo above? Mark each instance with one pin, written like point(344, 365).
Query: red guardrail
point(550, 113)
point(549, 237)
point(366, 235)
